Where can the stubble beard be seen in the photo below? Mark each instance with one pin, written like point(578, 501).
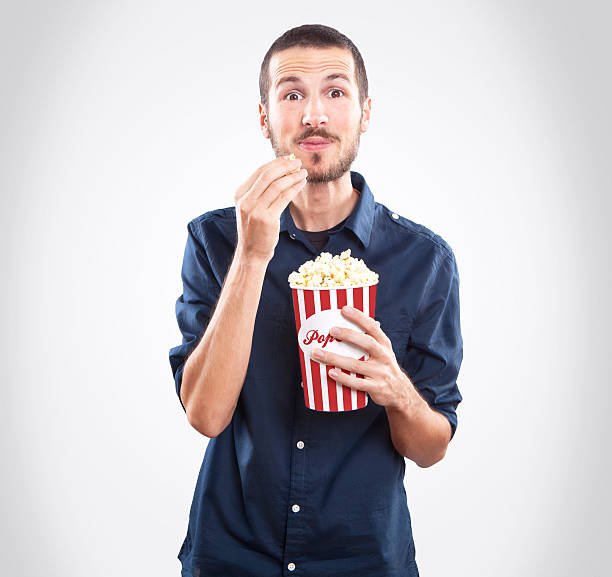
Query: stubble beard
point(318, 174)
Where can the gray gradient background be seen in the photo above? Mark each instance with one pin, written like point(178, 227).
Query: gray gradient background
point(121, 121)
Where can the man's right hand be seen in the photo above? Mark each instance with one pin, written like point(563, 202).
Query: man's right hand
point(259, 203)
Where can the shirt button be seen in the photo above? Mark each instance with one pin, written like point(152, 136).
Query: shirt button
point(295, 508)
point(300, 444)
point(292, 235)
point(291, 566)
point(395, 215)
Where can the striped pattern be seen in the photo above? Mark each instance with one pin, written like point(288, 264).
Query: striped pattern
point(322, 393)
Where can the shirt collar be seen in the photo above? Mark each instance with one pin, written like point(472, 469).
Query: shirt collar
point(359, 221)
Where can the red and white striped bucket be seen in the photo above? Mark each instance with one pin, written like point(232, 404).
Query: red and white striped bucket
point(317, 310)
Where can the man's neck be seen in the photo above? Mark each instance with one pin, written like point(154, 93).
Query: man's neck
point(320, 206)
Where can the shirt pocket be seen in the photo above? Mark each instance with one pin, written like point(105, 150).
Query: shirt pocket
point(274, 341)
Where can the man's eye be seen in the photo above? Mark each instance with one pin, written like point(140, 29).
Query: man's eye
point(288, 96)
point(335, 90)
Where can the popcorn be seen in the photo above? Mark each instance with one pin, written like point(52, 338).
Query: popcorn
point(292, 157)
point(333, 271)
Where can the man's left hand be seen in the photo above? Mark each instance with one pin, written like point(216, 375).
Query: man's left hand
point(384, 380)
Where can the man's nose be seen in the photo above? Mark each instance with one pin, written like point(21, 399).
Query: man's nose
point(314, 112)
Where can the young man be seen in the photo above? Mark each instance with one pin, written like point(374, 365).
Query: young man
point(284, 489)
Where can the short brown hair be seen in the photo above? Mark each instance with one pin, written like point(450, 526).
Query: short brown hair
point(312, 36)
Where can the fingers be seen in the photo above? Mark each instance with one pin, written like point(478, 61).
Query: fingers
point(352, 381)
point(248, 183)
point(366, 322)
point(357, 338)
point(343, 362)
point(264, 175)
point(280, 199)
point(279, 176)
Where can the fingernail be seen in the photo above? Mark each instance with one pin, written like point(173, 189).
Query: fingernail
point(335, 332)
point(317, 353)
point(348, 309)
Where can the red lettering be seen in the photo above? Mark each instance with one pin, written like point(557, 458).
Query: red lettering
point(314, 335)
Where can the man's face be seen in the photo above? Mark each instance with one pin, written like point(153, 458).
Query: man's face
point(314, 111)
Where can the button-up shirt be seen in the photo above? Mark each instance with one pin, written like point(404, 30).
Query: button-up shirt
point(286, 490)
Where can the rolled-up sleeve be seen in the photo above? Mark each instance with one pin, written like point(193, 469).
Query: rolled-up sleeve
point(435, 346)
point(194, 307)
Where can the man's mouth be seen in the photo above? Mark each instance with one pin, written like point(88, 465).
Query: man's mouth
point(315, 143)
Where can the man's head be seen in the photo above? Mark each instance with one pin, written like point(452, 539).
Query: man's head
point(314, 99)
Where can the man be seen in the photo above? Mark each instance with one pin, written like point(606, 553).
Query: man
point(284, 489)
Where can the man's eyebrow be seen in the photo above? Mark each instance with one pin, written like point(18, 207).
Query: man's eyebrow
point(336, 76)
point(297, 80)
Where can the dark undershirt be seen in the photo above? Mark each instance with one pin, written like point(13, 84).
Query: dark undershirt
point(319, 238)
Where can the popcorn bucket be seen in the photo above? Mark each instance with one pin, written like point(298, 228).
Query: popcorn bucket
point(317, 310)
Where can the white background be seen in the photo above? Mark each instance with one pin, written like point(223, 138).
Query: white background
point(122, 121)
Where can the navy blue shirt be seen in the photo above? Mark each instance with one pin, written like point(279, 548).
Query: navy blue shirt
point(286, 490)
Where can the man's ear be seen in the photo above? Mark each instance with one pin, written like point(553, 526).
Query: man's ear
point(263, 121)
point(365, 114)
